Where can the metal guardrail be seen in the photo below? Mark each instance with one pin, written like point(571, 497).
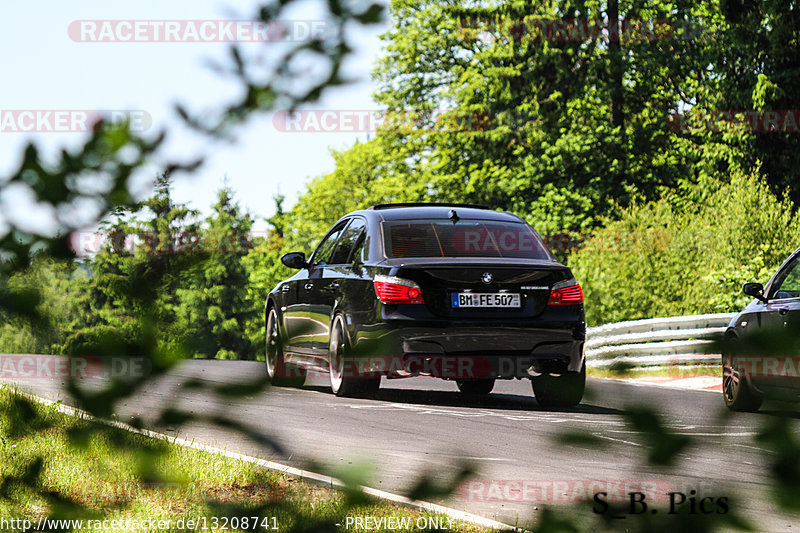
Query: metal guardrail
point(656, 341)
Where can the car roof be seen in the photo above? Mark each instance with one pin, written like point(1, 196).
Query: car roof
point(435, 211)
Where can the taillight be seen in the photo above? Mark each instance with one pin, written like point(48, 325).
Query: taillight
point(572, 295)
point(391, 290)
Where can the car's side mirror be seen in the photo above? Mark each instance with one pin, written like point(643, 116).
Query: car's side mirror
point(756, 290)
point(296, 260)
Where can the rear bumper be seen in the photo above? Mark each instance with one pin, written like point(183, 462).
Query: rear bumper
point(470, 351)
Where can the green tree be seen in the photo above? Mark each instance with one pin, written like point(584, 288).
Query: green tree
point(61, 285)
point(215, 308)
point(557, 129)
point(136, 276)
point(757, 63)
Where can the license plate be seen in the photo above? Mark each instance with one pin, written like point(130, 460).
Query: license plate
point(485, 299)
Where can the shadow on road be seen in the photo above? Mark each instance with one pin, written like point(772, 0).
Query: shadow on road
point(497, 401)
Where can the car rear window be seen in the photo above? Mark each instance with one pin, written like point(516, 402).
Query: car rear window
point(465, 238)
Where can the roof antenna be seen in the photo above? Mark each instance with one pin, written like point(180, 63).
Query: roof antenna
point(453, 216)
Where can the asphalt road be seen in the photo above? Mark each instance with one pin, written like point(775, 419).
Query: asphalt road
point(425, 426)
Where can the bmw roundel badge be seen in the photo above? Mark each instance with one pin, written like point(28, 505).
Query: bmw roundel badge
point(487, 277)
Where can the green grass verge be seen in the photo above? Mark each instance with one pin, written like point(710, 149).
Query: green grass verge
point(56, 465)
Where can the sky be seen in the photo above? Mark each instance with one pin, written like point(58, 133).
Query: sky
point(48, 67)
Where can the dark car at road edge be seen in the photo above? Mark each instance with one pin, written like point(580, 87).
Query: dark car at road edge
point(761, 355)
point(453, 291)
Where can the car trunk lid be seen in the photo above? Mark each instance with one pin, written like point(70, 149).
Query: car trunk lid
point(512, 288)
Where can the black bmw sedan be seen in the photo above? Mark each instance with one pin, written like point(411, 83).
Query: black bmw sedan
point(452, 291)
point(761, 357)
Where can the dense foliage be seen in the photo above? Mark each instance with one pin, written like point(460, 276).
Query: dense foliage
point(603, 138)
point(660, 260)
point(562, 126)
point(610, 141)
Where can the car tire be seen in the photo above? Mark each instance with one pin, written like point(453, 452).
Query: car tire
point(736, 389)
point(280, 373)
point(475, 386)
point(565, 390)
point(345, 379)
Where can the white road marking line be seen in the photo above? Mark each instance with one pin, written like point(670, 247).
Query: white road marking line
point(750, 447)
point(742, 434)
point(496, 459)
point(617, 440)
point(691, 434)
point(476, 413)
